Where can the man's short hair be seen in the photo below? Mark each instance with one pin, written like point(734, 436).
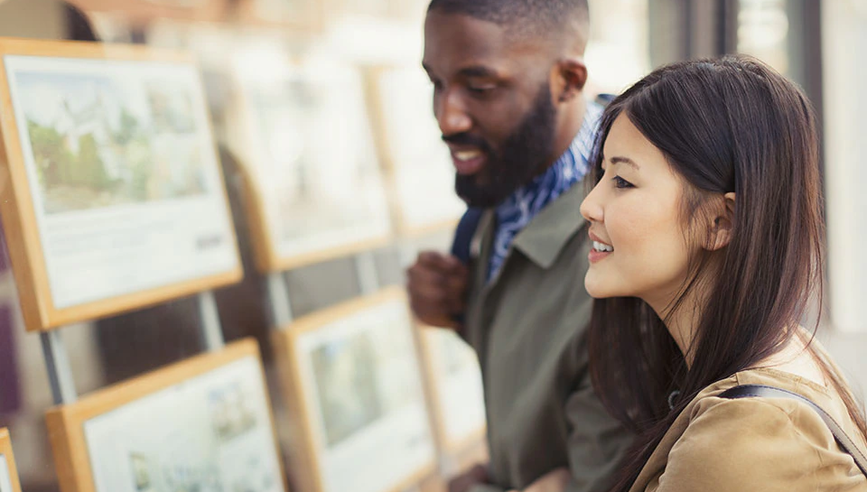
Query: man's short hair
point(526, 17)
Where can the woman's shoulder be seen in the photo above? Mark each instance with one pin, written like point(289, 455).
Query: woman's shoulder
point(759, 443)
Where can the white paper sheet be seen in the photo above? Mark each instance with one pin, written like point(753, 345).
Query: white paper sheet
point(212, 433)
point(370, 420)
point(123, 173)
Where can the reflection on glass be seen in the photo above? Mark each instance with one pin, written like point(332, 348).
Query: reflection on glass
point(763, 32)
point(618, 51)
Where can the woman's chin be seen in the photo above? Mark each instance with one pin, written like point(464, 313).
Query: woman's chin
point(596, 287)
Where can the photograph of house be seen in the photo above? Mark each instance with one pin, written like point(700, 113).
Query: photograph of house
point(97, 142)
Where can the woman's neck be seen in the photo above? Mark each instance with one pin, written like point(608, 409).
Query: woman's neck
point(681, 325)
point(681, 314)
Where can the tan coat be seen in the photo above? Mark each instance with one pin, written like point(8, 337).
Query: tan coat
point(755, 444)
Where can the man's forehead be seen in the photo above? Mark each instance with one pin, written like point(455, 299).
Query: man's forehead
point(459, 40)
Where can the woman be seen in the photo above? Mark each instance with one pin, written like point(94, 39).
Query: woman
point(706, 222)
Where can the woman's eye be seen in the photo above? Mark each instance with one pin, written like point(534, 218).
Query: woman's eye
point(622, 183)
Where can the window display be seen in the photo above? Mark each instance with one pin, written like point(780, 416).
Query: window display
point(146, 10)
point(203, 424)
point(8, 472)
point(844, 40)
point(117, 199)
point(459, 398)
point(304, 138)
point(354, 372)
point(419, 162)
point(306, 15)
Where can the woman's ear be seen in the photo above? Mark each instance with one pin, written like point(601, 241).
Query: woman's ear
point(720, 229)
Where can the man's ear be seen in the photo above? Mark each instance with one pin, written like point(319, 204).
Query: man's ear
point(721, 228)
point(571, 73)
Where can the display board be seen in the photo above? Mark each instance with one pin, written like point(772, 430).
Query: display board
point(302, 15)
point(394, 10)
point(8, 472)
point(315, 187)
point(204, 424)
point(146, 10)
point(353, 375)
point(115, 197)
point(419, 163)
point(459, 399)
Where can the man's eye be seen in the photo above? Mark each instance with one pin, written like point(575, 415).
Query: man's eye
point(622, 183)
point(481, 89)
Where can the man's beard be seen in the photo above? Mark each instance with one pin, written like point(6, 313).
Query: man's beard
point(520, 159)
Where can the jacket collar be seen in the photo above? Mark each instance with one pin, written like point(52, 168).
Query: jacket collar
point(546, 235)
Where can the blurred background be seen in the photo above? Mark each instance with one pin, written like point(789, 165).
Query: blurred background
point(357, 93)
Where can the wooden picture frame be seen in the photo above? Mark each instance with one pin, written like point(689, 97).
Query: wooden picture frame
point(138, 435)
point(418, 164)
point(306, 16)
point(407, 11)
point(8, 471)
point(141, 11)
point(376, 437)
point(149, 221)
point(314, 186)
point(458, 406)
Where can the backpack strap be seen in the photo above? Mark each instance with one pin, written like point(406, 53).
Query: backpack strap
point(464, 234)
point(762, 391)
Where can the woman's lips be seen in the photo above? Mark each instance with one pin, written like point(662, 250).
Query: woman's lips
point(599, 250)
point(596, 256)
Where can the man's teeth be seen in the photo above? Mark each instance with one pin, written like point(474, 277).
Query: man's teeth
point(602, 246)
point(467, 155)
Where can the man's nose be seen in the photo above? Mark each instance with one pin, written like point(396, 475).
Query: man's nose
point(452, 115)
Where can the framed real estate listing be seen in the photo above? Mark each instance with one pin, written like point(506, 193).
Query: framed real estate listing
point(456, 383)
point(406, 11)
point(203, 424)
point(147, 10)
point(418, 162)
point(8, 472)
point(354, 375)
point(314, 181)
point(300, 15)
point(114, 196)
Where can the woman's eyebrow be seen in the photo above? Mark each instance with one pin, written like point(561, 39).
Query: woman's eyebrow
point(625, 160)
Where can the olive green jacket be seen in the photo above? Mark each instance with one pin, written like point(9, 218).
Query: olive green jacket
point(526, 326)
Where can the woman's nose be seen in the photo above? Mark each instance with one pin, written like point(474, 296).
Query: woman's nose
point(591, 207)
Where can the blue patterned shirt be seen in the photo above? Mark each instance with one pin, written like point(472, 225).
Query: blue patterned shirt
point(525, 203)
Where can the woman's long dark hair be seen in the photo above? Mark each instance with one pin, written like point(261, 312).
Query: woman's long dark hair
point(727, 125)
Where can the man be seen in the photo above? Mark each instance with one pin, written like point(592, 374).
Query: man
point(508, 78)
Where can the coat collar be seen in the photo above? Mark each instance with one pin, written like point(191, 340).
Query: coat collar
point(546, 235)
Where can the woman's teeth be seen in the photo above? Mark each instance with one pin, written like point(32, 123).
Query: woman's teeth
point(602, 247)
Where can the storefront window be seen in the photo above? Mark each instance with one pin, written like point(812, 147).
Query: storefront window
point(763, 32)
point(618, 52)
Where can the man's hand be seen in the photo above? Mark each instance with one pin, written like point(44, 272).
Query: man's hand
point(475, 475)
point(437, 286)
point(553, 481)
